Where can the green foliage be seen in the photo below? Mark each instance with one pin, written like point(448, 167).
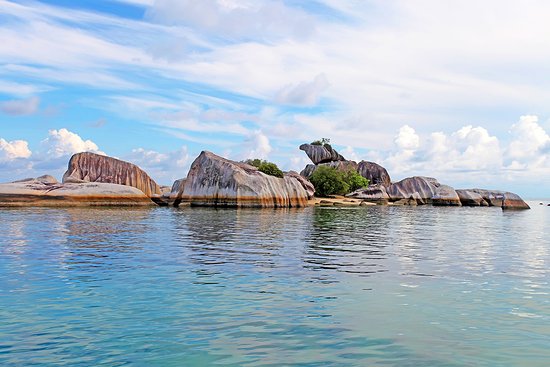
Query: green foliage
point(266, 167)
point(331, 181)
point(270, 169)
point(323, 141)
point(355, 180)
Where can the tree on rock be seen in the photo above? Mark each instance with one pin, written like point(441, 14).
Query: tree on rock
point(331, 181)
point(269, 168)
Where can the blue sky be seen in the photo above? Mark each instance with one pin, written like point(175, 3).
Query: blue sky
point(454, 90)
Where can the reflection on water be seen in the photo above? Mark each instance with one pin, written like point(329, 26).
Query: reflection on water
point(395, 286)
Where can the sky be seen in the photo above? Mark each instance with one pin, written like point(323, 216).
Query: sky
point(457, 90)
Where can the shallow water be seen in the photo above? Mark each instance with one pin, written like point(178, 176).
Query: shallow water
point(369, 286)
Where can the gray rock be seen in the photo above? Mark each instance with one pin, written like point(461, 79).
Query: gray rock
point(321, 153)
point(91, 167)
point(445, 196)
point(424, 187)
point(375, 173)
point(216, 181)
point(38, 193)
point(503, 199)
point(373, 193)
point(471, 198)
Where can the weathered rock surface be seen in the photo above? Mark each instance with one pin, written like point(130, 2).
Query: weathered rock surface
point(471, 198)
point(216, 181)
point(39, 193)
point(91, 167)
point(321, 153)
point(375, 173)
point(373, 193)
point(445, 196)
point(424, 187)
point(503, 199)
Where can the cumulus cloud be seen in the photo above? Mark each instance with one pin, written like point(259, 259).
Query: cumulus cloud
point(303, 94)
point(21, 107)
point(12, 150)
point(257, 146)
point(529, 146)
point(165, 168)
point(62, 143)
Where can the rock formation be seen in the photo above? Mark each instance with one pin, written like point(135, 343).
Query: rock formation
point(503, 199)
point(424, 187)
point(375, 173)
point(374, 194)
point(321, 153)
point(471, 198)
point(91, 167)
point(42, 192)
point(445, 196)
point(216, 181)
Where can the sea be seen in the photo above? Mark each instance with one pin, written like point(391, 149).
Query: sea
point(363, 286)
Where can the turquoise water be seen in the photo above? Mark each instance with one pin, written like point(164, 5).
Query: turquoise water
point(373, 286)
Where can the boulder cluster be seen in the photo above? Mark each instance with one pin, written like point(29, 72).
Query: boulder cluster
point(93, 179)
point(417, 190)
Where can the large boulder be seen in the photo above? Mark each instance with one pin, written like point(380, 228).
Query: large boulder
point(321, 153)
point(503, 199)
point(373, 193)
point(91, 167)
point(375, 173)
point(471, 198)
point(216, 181)
point(424, 187)
point(41, 192)
point(445, 196)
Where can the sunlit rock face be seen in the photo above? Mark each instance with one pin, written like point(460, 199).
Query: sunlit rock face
point(375, 173)
point(374, 194)
point(321, 153)
point(503, 199)
point(216, 181)
point(445, 196)
point(471, 198)
point(91, 167)
point(424, 187)
point(43, 192)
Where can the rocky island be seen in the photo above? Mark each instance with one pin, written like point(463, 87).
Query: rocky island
point(93, 179)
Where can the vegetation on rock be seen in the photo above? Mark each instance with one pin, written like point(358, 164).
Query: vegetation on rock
point(266, 167)
point(331, 181)
point(323, 142)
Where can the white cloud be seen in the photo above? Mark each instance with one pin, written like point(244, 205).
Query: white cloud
point(21, 107)
point(257, 146)
point(530, 144)
point(407, 139)
point(13, 150)
point(304, 93)
point(235, 19)
point(62, 143)
point(164, 168)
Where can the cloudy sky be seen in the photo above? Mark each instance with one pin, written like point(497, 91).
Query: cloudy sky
point(458, 90)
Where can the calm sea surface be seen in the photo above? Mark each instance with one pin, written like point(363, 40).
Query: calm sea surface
point(373, 286)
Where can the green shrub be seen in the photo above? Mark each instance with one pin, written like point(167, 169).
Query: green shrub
point(266, 167)
point(331, 181)
point(270, 169)
point(323, 141)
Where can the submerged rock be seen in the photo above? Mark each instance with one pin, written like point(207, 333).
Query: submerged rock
point(321, 153)
point(91, 167)
point(216, 181)
point(375, 173)
point(445, 196)
point(35, 192)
